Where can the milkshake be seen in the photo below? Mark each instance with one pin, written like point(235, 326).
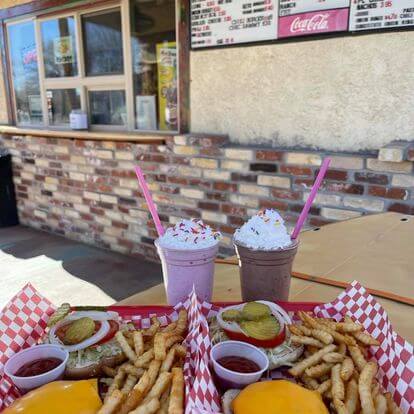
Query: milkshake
point(188, 251)
point(266, 252)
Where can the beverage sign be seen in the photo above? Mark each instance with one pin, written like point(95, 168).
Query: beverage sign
point(62, 50)
point(224, 22)
point(288, 7)
point(326, 21)
point(381, 14)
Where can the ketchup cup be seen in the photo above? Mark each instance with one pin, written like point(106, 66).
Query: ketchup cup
point(232, 379)
point(32, 354)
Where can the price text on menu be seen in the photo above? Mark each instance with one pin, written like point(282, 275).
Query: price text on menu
point(226, 22)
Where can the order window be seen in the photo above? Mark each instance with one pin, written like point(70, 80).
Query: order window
point(117, 63)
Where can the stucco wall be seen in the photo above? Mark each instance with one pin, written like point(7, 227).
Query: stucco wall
point(344, 93)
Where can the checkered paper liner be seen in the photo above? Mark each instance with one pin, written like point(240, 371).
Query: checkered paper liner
point(23, 320)
point(395, 356)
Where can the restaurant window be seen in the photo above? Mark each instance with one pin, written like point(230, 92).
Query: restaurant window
point(25, 74)
point(154, 64)
point(59, 47)
point(117, 63)
point(107, 107)
point(60, 103)
point(102, 43)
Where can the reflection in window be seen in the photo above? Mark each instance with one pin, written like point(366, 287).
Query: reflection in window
point(60, 103)
point(154, 60)
point(59, 47)
point(25, 73)
point(102, 43)
point(107, 107)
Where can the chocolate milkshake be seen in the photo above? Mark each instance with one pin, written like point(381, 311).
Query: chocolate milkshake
point(266, 252)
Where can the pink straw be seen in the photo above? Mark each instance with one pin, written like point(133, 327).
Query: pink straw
point(305, 211)
point(150, 202)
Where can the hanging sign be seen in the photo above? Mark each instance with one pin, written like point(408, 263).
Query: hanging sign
point(381, 14)
point(225, 22)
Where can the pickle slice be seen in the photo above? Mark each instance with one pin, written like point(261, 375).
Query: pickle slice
point(253, 311)
point(231, 315)
point(263, 329)
point(59, 314)
point(79, 330)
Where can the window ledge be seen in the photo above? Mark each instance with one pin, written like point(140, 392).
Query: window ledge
point(87, 135)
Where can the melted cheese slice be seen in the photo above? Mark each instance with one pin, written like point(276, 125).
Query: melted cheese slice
point(63, 397)
point(278, 397)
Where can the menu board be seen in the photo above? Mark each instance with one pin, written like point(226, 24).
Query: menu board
point(381, 14)
point(288, 7)
point(224, 22)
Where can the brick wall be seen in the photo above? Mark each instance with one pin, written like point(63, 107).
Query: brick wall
point(87, 190)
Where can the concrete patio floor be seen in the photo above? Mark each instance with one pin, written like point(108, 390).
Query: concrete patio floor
point(66, 270)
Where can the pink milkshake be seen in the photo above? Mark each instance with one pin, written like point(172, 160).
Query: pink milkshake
point(188, 251)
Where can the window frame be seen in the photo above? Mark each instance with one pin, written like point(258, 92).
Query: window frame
point(115, 82)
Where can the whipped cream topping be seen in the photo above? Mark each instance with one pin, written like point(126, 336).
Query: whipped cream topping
point(264, 231)
point(190, 234)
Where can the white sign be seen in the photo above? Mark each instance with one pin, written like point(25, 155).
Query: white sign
point(381, 14)
point(146, 112)
point(62, 49)
point(288, 7)
point(225, 22)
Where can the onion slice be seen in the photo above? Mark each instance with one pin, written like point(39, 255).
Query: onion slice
point(102, 317)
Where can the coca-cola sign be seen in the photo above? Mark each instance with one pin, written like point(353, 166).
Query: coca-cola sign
point(325, 21)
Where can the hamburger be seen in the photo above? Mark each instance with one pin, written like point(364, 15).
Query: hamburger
point(259, 323)
point(89, 337)
point(278, 396)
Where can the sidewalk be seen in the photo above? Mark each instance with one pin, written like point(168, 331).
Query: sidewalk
point(65, 270)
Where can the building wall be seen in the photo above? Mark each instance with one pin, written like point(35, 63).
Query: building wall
point(87, 190)
point(344, 93)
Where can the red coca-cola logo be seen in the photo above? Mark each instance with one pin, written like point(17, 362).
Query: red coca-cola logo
point(315, 23)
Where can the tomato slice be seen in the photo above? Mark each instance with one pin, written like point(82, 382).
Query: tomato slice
point(113, 329)
point(270, 343)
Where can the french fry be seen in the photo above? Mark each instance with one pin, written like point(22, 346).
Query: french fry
point(380, 404)
point(347, 368)
point(168, 361)
point(164, 401)
point(306, 340)
point(153, 329)
point(133, 370)
point(160, 347)
point(357, 357)
point(117, 382)
point(176, 405)
point(180, 350)
point(308, 320)
point(317, 371)
point(108, 371)
point(338, 388)
point(364, 387)
point(324, 386)
point(348, 327)
point(144, 359)
point(375, 389)
point(342, 349)
point(169, 328)
point(181, 323)
point(294, 330)
point(391, 405)
point(314, 359)
point(162, 383)
point(312, 349)
point(150, 407)
point(106, 381)
point(352, 397)
point(366, 339)
point(309, 382)
point(333, 357)
point(136, 395)
point(126, 348)
point(111, 403)
point(138, 343)
point(130, 381)
point(339, 406)
point(322, 336)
